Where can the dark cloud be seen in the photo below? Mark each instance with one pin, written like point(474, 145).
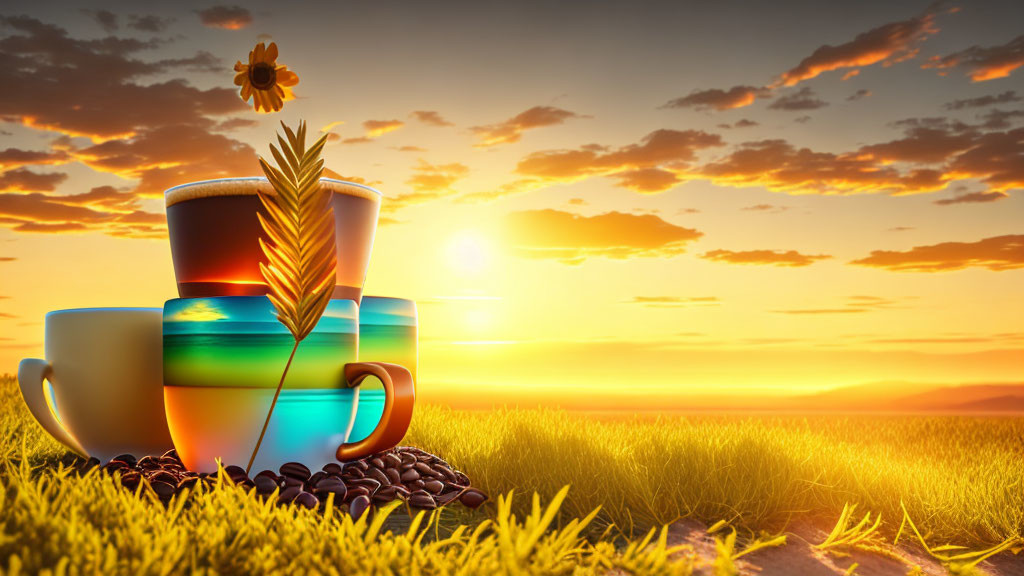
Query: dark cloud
point(227, 17)
point(997, 119)
point(149, 23)
point(742, 123)
point(717, 99)
point(802, 99)
point(997, 253)
point(972, 197)
point(859, 95)
point(430, 117)
point(571, 238)
point(889, 43)
point(983, 63)
point(769, 257)
point(15, 157)
point(29, 181)
point(102, 209)
point(238, 123)
point(106, 19)
point(511, 130)
point(987, 100)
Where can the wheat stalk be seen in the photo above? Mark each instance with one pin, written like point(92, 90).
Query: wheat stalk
point(300, 254)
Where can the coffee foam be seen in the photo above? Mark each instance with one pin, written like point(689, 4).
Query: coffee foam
point(251, 186)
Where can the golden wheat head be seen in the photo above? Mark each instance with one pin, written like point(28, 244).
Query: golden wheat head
point(299, 229)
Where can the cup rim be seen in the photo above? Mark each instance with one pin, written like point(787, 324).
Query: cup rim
point(65, 311)
point(176, 194)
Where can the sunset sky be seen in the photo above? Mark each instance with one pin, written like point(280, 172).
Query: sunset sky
point(586, 199)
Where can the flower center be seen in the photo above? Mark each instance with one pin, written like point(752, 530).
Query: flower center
point(262, 76)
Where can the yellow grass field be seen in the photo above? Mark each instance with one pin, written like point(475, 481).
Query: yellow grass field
point(960, 479)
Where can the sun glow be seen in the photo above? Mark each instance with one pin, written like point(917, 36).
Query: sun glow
point(469, 252)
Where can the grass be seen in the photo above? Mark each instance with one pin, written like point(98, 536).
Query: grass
point(960, 479)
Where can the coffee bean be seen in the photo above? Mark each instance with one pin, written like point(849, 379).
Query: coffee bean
point(130, 479)
point(316, 478)
point(369, 483)
point(148, 461)
point(393, 476)
point(379, 476)
point(408, 459)
point(163, 489)
point(392, 461)
point(358, 507)
point(361, 465)
point(447, 497)
point(356, 492)
point(447, 474)
point(307, 500)
point(409, 475)
point(172, 453)
point(433, 486)
point(421, 499)
point(114, 466)
point(416, 485)
point(424, 469)
point(332, 468)
point(163, 476)
point(289, 481)
point(264, 484)
point(352, 472)
point(268, 474)
point(187, 482)
point(462, 478)
point(331, 485)
point(127, 459)
point(402, 492)
point(472, 498)
point(295, 470)
point(289, 494)
point(90, 464)
point(236, 473)
point(377, 463)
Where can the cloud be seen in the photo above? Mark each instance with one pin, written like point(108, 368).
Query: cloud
point(429, 182)
point(900, 229)
point(236, 123)
point(7, 259)
point(765, 257)
point(29, 181)
point(226, 17)
point(817, 311)
point(430, 117)
point(765, 208)
point(981, 101)
point(972, 197)
point(149, 23)
point(802, 99)
point(886, 44)
point(409, 149)
point(675, 301)
point(872, 302)
point(650, 166)
point(511, 130)
point(377, 128)
point(997, 253)
point(997, 119)
point(102, 209)
point(859, 95)
point(717, 99)
point(982, 64)
point(16, 157)
point(572, 238)
point(106, 19)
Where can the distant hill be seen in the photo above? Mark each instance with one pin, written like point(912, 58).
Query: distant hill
point(916, 397)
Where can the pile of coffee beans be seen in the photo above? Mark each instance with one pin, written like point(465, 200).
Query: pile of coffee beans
point(419, 478)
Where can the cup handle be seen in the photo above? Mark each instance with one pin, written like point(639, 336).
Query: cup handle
point(31, 374)
point(399, 396)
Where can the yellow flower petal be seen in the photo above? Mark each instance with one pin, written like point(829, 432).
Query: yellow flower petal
point(271, 55)
point(239, 67)
point(275, 101)
point(286, 77)
point(246, 92)
point(260, 50)
point(287, 94)
point(241, 77)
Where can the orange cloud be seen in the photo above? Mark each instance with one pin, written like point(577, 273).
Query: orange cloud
point(15, 158)
point(997, 253)
point(770, 257)
point(572, 238)
point(511, 130)
point(28, 181)
point(102, 210)
point(429, 182)
point(982, 64)
point(717, 99)
point(378, 128)
point(675, 301)
point(649, 166)
point(226, 17)
point(430, 117)
point(889, 43)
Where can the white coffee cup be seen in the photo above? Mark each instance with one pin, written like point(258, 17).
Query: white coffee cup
point(105, 366)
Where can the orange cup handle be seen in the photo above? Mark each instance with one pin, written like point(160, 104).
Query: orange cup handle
point(399, 397)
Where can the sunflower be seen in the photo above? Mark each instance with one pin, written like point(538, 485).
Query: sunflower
point(263, 79)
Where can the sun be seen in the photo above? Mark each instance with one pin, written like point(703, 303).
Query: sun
point(469, 252)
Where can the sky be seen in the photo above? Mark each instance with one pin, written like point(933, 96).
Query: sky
point(664, 200)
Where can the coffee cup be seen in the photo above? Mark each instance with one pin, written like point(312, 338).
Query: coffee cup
point(214, 232)
point(105, 385)
point(223, 359)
